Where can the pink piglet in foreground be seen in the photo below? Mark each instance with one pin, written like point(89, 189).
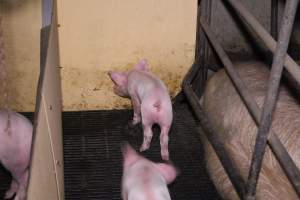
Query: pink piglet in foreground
point(15, 146)
point(150, 100)
point(143, 179)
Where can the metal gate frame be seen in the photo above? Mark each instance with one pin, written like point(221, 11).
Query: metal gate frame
point(197, 76)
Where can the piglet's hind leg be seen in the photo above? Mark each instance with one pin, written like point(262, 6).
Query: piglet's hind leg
point(22, 190)
point(164, 140)
point(12, 190)
point(147, 120)
point(147, 137)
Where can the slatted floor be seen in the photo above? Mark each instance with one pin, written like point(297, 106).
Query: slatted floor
point(5, 179)
point(92, 141)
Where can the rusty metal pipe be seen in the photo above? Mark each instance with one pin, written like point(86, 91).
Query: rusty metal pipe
point(291, 66)
point(277, 147)
point(271, 97)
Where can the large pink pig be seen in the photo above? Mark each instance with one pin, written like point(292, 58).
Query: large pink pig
point(237, 130)
point(150, 100)
point(143, 179)
point(15, 146)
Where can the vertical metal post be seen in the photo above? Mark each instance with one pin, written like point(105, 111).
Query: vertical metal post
point(204, 11)
point(211, 134)
point(274, 19)
point(271, 97)
point(46, 12)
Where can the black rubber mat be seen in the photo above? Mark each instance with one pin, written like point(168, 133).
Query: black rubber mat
point(5, 177)
point(93, 160)
point(5, 180)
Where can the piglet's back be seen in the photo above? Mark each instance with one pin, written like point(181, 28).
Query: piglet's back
point(145, 78)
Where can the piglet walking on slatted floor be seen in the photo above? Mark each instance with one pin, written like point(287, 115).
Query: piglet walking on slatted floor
point(15, 146)
point(143, 179)
point(151, 102)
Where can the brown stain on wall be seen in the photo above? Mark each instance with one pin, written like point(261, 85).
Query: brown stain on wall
point(94, 89)
point(171, 79)
point(94, 37)
point(98, 36)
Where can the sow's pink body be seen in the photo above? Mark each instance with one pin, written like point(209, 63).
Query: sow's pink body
point(143, 179)
point(238, 131)
point(15, 146)
point(150, 100)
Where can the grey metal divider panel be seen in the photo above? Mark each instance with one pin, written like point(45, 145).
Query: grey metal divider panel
point(46, 171)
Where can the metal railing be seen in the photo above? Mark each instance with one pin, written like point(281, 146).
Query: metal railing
point(263, 119)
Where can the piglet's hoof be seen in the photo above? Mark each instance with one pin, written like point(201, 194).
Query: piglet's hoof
point(165, 156)
point(9, 194)
point(144, 148)
point(131, 124)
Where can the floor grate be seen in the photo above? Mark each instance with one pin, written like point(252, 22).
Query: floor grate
point(92, 156)
point(92, 141)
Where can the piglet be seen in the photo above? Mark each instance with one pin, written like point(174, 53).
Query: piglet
point(150, 100)
point(143, 179)
point(15, 146)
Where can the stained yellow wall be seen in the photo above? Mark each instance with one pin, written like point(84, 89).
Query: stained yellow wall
point(22, 23)
point(99, 35)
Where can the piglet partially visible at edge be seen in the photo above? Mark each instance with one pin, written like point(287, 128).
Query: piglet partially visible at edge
point(150, 100)
point(15, 146)
point(143, 179)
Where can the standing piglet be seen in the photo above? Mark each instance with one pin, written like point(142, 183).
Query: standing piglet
point(143, 179)
point(238, 131)
point(150, 100)
point(15, 146)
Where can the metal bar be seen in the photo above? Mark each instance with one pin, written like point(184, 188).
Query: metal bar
point(200, 48)
point(203, 10)
point(277, 147)
point(274, 18)
point(271, 97)
point(211, 135)
point(233, 75)
point(44, 35)
point(291, 66)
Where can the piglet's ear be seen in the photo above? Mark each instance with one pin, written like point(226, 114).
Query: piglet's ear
point(130, 156)
point(119, 78)
point(168, 171)
point(142, 65)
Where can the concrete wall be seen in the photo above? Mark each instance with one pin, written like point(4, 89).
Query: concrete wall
point(96, 36)
point(21, 25)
